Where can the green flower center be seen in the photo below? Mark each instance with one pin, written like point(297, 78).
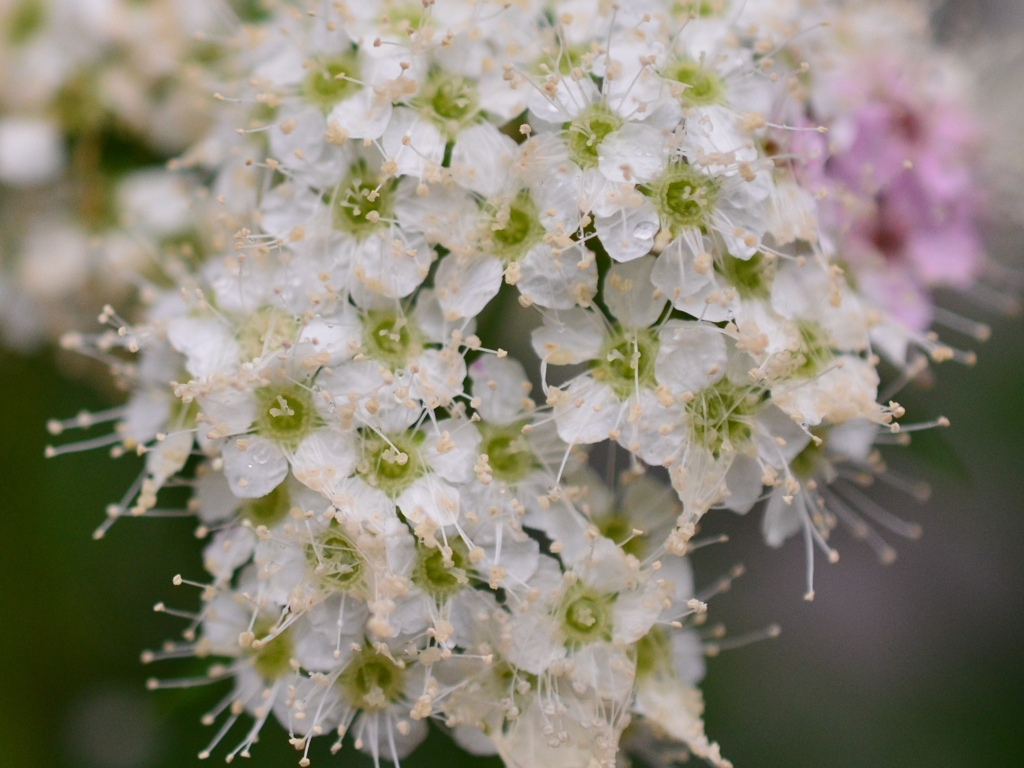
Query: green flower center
point(587, 131)
point(653, 653)
point(268, 510)
point(440, 577)
point(619, 528)
point(450, 101)
point(335, 560)
point(266, 330)
point(251, 11)
point(684, 197)
point(392, 464)
point(720, 416)
point(586, 616)
point(516, 228)
point(507, 451)
point(703, 85)
point(27, 18)
point(391, 339)
point(401, 18)
point(363, 203)
point(331, 80)
point(626, 361)
point(273, 660)
point(815, 349)
point(752, 278)
point(698, 8)
point(371, 681)
point(804, 465)
point(285, 414)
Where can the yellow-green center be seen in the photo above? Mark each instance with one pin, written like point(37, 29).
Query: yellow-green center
point(332, 80)
point(335, 560)
point(586, 132)
point(515, 228)
point(507, 451)
point(703, 86)
point(440, 576)
point(586, 616)
point(392, 462)
point(371, 681)
point(363, 203)
point(272, 660)
point(752, 278)
point(626, 361)
point(684, 197)
point(450, 101)
point(268, 510)
point(285, 414)
point(391, 339)
point(721, 416)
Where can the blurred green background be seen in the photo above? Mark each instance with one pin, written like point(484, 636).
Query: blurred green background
point(916, 665)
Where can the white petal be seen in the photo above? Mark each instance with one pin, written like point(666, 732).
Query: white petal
point(570, 98)
point(230, 410)
point(430, 497)
point(781, 520)
point(712, 130)
point(324, 458)
point(569, 337)
point(208, 346)
point(439, 378)
point(589, 412)
point(362, 116)
point(392, 268)
point(778, 438)
point(146, 414)
point(688, 656)
point(628, 233)
point(629, 293)
point(533, 643)
point(660, 432)
point(675, 272)
point(501, 385)
point(31, 151)
point(558, 281)
point(256, 470)
point(635, 154)
point(455, 464)
point(473, 740)
point(853, 440)
point(846, 391)
point(463, 289)
point(445, 216)
point(605, 670)
point(316, 635)
point(337, 334)
point(413, 143)
point(227, 551)
point(743, 481)
point(691, 357)
point(387, 733)
point(635, 613)
point(216, 501)
point(481, 159)
point(168, 456)
point(742, 220)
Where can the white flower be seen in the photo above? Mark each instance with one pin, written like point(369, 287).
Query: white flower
point(31, 151)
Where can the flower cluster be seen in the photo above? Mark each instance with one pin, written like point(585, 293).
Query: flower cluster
point(95, 97)
point(701, 219)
